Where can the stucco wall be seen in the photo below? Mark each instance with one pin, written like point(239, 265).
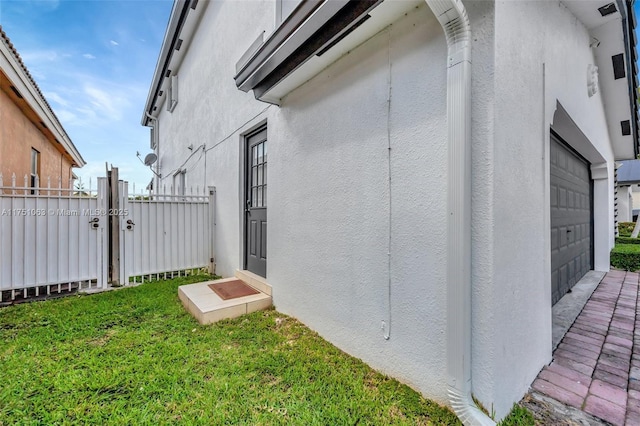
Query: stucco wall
point(331, 206)
point(345, 267)
point(635, 195)
point(17, 136)
point(625, 204)
point(541, 58)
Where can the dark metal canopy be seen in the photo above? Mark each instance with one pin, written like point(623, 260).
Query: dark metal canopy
point(311, 29)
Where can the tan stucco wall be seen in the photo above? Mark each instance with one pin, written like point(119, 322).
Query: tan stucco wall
point(18, 135)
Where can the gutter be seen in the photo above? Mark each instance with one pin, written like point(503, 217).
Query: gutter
point(176, 22)
point(453, 18)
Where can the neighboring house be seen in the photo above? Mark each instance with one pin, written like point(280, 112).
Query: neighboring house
point(430, 196)
point(627, 189)
point(635, 194)
point(33, 143)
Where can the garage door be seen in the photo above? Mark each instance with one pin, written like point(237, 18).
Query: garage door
point(571, 219)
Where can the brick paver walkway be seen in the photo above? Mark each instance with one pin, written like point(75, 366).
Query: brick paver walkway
point(596, 367)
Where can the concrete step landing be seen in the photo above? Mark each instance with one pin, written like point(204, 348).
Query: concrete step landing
point(207, 307)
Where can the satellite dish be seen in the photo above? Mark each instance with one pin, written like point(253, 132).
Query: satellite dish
point(150, 159)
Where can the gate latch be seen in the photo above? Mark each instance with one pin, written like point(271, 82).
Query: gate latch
point(130, 224)
point(94, 222)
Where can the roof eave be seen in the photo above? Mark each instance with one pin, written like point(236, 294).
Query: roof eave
point(35, 99)
point(629, 26)
point(177, 18)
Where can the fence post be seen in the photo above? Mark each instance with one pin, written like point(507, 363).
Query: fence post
point(103, 231)
point(212, 229)
point(114, 226)
point(120, 219)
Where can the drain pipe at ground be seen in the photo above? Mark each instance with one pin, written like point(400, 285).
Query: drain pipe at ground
point(452, 15)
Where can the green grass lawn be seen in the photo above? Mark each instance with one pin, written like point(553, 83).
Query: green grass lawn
point(134, 356)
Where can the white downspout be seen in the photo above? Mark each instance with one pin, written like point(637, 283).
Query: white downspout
point(452, 15)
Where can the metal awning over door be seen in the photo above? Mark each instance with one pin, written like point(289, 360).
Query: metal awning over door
point(571, 218)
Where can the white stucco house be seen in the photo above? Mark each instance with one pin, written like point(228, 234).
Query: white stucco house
point(439, 174)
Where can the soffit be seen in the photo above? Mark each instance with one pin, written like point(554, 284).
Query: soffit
point(612, 35)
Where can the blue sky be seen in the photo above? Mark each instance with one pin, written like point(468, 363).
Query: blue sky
point(93, 60)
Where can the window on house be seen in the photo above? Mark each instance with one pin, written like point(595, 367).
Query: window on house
point(284, 9)
point(183, 182)
point(179, 182)
point(172, 93)
point(154, 136)
point(35, 168)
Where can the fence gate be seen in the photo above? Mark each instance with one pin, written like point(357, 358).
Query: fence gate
point(164, 235)
point(61, 239)
point(51, 239)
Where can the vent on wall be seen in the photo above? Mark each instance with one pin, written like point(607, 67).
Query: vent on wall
point(618, 66)
point(607, 9)
point(14, 90)
point(626, 127)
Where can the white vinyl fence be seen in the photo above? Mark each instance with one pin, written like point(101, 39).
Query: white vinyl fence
point(163, 235)
point(58, 239)
point(51, 239)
